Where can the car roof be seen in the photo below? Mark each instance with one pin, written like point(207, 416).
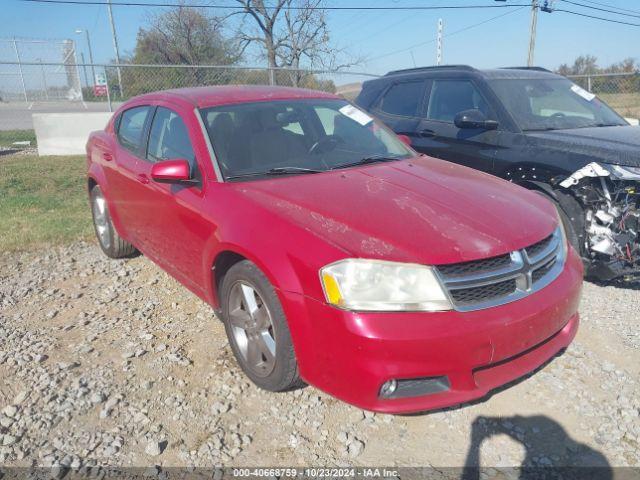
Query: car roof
point(203, 97)
point(495, 73)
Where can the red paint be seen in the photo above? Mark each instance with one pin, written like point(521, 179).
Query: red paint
point(420, 210)
point(171, 171)
point(405, 139)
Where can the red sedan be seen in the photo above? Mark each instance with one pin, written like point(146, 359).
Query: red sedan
point(333, 253)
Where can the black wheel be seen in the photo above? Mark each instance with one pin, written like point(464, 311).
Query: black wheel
point(110, 242)
point(257, 328)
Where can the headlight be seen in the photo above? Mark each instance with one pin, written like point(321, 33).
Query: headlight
point(377, 285)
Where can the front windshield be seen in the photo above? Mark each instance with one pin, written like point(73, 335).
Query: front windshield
point(294, 136)
point(552, 104)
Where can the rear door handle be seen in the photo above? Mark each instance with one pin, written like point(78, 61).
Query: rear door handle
point(142, 178)
point(426, 132)
point(107, 156)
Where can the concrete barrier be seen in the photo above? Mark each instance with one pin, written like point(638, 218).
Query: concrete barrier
point(66, 133)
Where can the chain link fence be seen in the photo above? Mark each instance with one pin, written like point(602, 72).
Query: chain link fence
point(31, 71)
point(620, 90)
point(39, 70)
point(116, 83)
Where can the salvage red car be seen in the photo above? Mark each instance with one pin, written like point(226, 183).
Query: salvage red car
point(335, 254)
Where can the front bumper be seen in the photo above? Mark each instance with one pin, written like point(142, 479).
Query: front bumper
point(350, 355)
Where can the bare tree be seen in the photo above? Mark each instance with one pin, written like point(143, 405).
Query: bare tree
point(290, 32)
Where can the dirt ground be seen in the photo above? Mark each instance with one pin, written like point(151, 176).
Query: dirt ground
point(113, 363)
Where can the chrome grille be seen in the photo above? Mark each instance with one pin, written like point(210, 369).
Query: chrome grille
point(498, 280)
point(535, 249)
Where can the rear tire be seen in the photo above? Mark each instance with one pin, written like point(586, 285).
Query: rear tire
point(257, 329)
point(110, 242)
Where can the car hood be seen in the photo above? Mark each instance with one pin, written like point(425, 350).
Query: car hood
point(421, 210)
point(616, 145)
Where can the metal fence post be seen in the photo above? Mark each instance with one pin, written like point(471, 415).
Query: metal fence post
point(106, 79)
point(589, 83)
point(24, 88)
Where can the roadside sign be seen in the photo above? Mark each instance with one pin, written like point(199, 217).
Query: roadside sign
point(100, 87)
point(101, 79)
point(100, 90)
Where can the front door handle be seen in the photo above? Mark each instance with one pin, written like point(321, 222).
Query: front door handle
point(107, 156)
point(142, 178)
point(426, 132)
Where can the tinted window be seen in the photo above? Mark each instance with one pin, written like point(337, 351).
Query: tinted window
point(169, 139)
point(131, 127)
point(450, 97)
point(319, 134)
point(403, 99)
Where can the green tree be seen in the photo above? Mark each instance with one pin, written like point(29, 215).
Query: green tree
point(180, 36)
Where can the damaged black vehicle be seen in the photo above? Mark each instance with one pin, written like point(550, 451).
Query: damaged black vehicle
point(539, 130)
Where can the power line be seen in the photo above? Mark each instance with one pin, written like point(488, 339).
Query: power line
point(232, 7)
point(596, 18)
point(464, 29)
point(600, 9)
point(611, 6)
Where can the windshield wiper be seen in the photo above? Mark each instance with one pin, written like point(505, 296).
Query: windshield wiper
point(276, 171)
point(367, 160)
point(543, 129)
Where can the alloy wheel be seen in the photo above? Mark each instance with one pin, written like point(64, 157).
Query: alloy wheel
point(252, 329)
point(101, 219)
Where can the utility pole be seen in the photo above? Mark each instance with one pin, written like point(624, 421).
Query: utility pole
point(84, 69)
point(439, 43)
point(115, 47)
point(93, 71)
point(532, 31)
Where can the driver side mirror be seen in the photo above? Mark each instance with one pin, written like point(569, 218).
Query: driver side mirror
point(172, 171)
point(474, 118)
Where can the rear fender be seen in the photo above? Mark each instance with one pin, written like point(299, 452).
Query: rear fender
point(99, 142)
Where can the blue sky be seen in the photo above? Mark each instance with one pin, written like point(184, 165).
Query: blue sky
point(504, 41)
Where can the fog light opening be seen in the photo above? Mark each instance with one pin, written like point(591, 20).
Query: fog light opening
point(388, 388)
point(414, 387)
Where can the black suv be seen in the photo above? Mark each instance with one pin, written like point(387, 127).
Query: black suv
point(534, 128)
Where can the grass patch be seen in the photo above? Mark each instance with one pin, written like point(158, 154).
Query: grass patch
point(7, 137)
point(626, 104)
point(43, 200)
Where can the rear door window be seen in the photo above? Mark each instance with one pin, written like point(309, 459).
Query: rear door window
point(131, 128)
point(403, 99)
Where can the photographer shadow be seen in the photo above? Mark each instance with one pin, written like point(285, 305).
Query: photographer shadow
point(542, 438)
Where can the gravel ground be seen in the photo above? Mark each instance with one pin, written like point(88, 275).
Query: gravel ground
point(113, 363)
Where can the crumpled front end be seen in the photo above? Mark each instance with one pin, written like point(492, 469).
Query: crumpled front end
point(610, 195)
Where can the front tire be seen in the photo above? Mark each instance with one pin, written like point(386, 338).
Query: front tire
point(573, 222)
point(110, 242)
point(257, 328)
